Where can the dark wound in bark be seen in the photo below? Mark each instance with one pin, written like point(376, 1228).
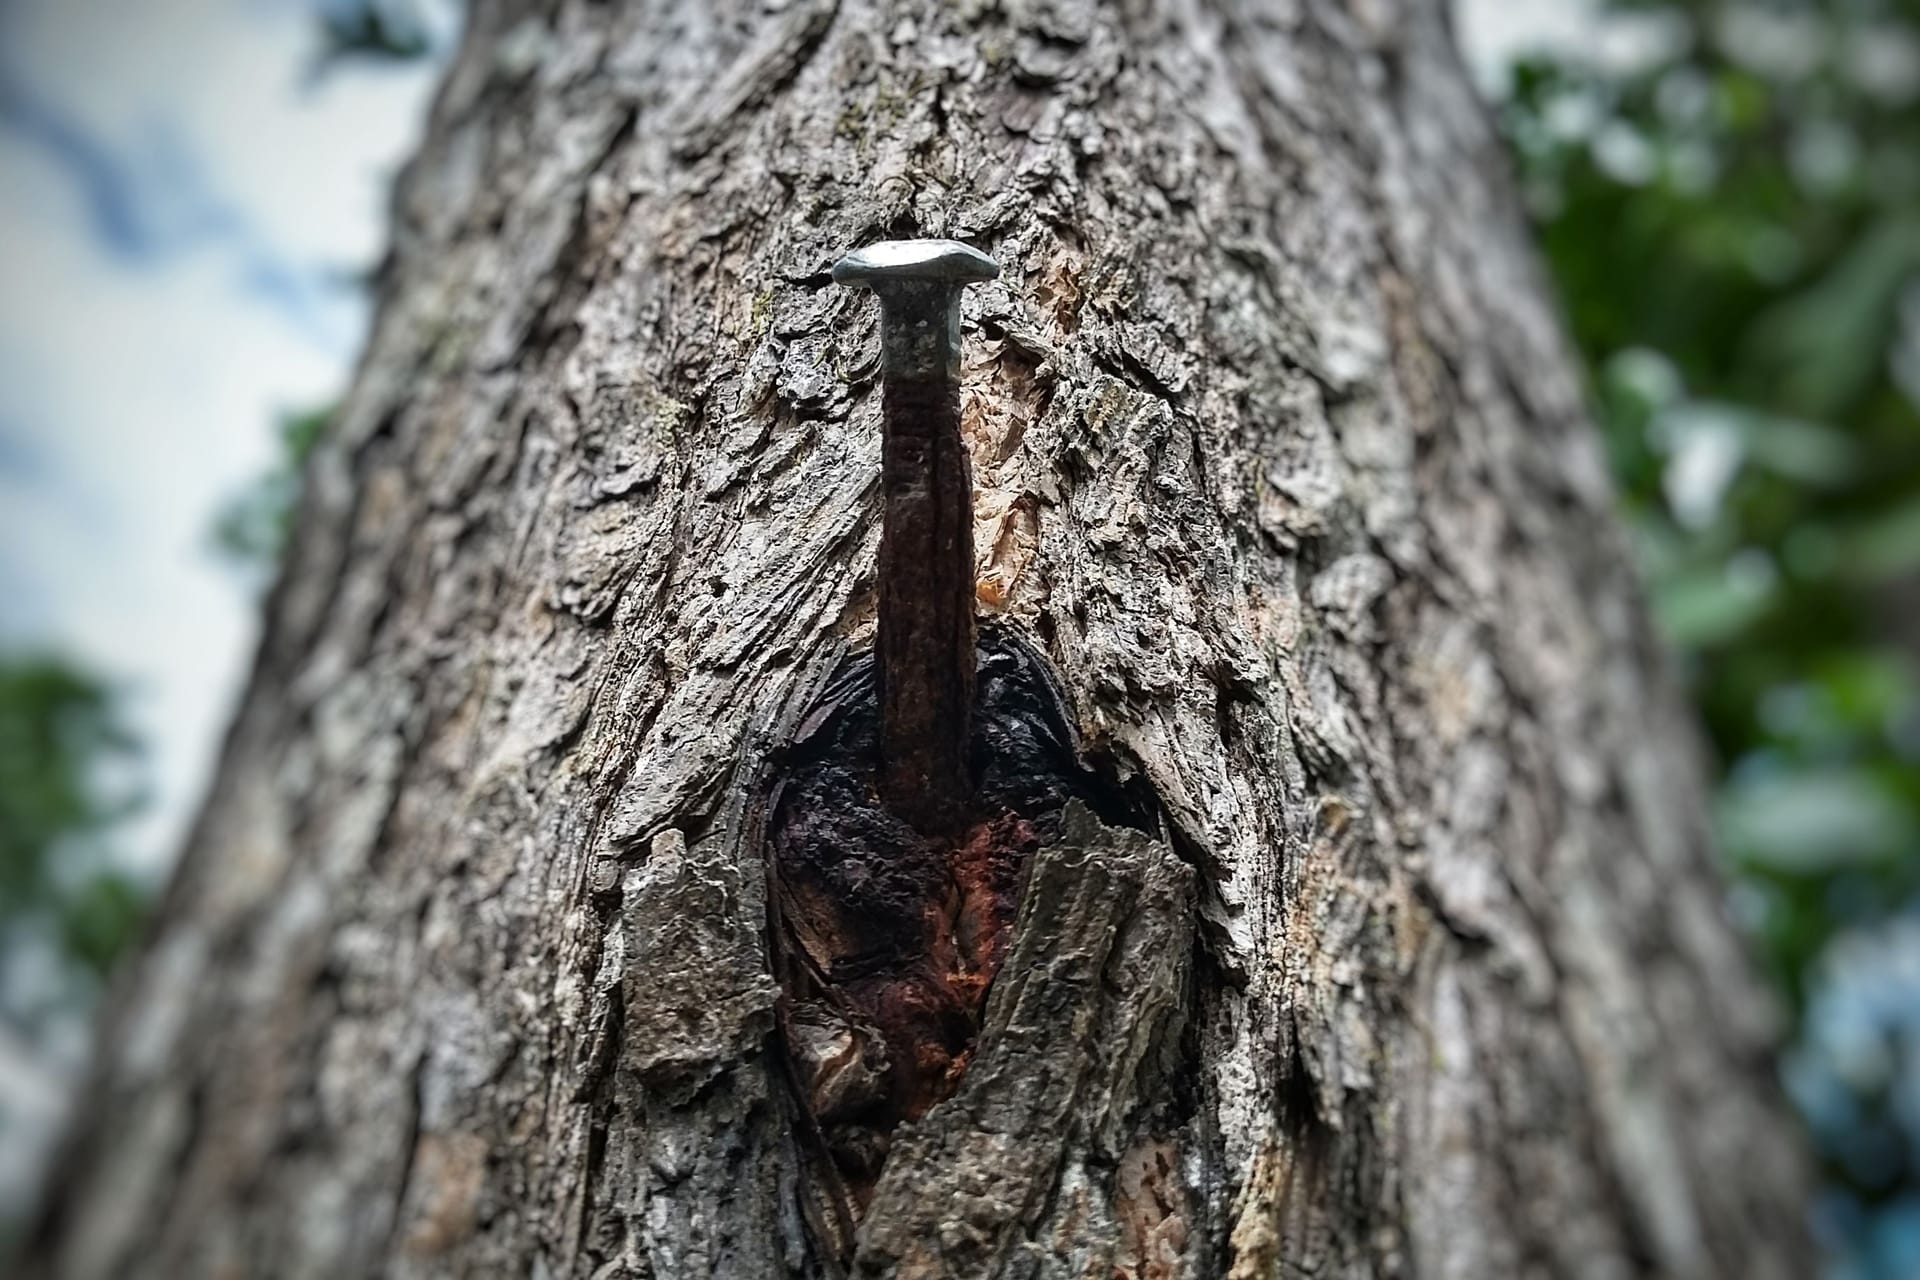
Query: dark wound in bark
point(890, 937)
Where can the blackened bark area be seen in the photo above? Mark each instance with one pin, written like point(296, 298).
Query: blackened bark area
point(893, 937)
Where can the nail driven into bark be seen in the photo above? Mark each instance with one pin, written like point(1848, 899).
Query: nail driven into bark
point(926, 642)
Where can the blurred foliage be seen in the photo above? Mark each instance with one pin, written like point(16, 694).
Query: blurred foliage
point(1729, 196)
point(67, 778)
point(253, 528)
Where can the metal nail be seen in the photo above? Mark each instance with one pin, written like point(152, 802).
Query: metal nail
point(926, 642)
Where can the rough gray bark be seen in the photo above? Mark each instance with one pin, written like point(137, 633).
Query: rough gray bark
point(1281, 460)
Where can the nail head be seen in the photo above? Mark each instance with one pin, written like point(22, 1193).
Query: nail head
point(932, 260)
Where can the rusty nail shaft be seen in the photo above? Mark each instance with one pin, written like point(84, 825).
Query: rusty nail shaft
point(926, 643)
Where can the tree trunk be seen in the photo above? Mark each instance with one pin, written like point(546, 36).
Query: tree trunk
point(1379, 934)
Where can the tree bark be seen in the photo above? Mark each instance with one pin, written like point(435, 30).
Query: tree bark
point(1416, 963)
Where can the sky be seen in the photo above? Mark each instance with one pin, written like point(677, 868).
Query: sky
point(185, 206)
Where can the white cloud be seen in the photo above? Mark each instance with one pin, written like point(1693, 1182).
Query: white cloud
point(137, 393)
